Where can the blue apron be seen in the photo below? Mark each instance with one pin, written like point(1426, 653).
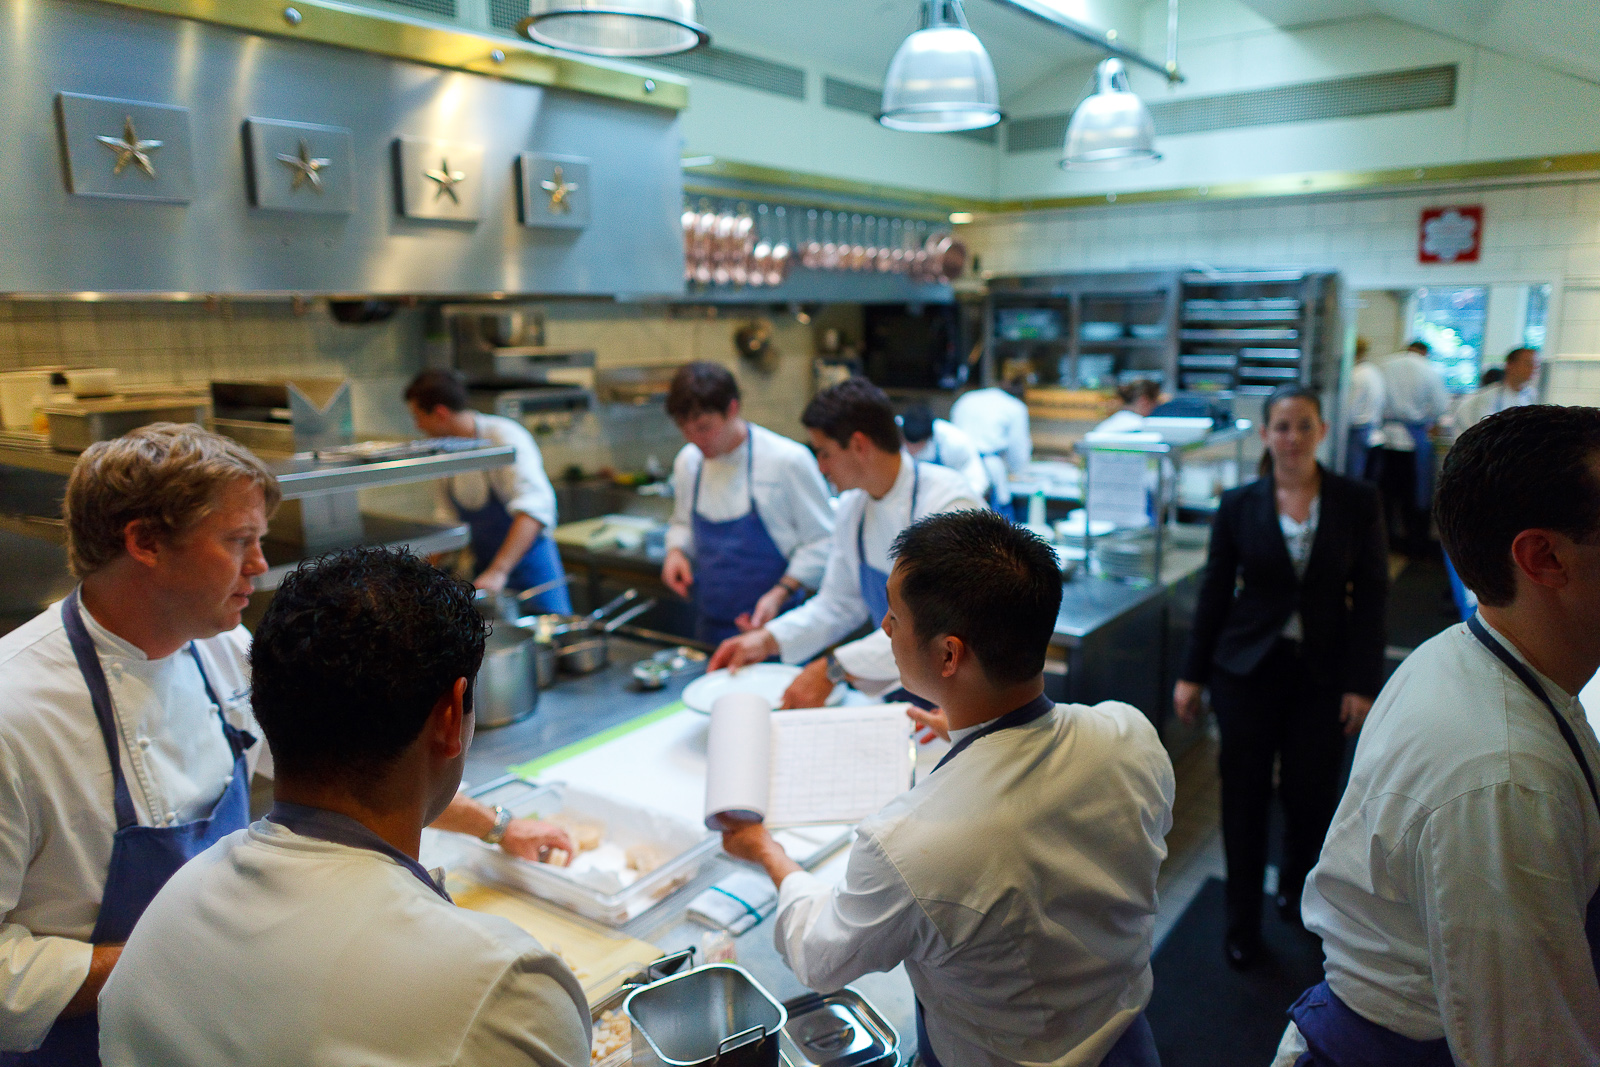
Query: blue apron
point(142, 857)
point(740, 558)
point(875, 583)
point(1137, 1046)
point(1336, 1035)
point(1358, 452)
point(488, 527)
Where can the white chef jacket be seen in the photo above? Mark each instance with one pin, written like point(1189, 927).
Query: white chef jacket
point(1122, 421)
point(1018, 885)
point(1367, 399)
point(270, 948)
point(1414, 391)
point(838, 608)
point(997, 422)
point(950, 446)
point(1491, 400)
point(56, 817)
point(1451, 890)
point(522, 485)
point(790, 496)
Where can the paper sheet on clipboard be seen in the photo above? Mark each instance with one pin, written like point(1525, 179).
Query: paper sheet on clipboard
point(804, 767)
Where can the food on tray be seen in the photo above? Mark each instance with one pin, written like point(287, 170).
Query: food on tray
point(586, 833)
point(612, 1033)
point(647, 856)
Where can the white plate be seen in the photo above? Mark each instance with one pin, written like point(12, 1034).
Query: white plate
point(767, 680)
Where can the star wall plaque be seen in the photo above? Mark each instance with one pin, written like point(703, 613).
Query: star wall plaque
point(125, 149)
point(439, 179)
point(553, 191)
point(299, 166)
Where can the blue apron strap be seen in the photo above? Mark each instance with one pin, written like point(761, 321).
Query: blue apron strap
point(1037, 708)
point(94, 676)
point(341, 829)
point(238, 740)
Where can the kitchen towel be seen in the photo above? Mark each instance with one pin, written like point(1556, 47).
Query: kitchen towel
point(736, 903)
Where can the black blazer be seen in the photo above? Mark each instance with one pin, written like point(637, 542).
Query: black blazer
point(1249, 590)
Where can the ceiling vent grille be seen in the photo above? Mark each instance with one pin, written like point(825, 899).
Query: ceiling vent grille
point(1388, 93)
point(727, 65)
point(505, 14)
point(865, 100)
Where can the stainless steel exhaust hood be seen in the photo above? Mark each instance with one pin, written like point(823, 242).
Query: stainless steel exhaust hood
point(218, 170)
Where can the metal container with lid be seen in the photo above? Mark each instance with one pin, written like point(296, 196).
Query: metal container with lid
point(839, 1029)
point(715, 1014)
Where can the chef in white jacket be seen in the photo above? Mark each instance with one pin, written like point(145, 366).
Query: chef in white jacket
point(939, 441)
point(145, 659)
point(751, 516)
point(315, 937)
point(1515, 390)
point(1017, 881)
point(883, 491)
point(997, 421)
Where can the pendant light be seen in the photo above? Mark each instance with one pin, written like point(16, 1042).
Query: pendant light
point(1111, 129)
point(614, 27)
point(941, 79)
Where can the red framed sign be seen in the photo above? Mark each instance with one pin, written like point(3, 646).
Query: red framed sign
point(1450, 234)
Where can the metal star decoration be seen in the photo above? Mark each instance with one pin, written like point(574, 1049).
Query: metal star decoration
point(558, 187)
point(305, 167)
point(130, 149)
point(447, 179)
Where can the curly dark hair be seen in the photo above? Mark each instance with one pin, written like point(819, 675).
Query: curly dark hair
point(1527, 468)
point(351, 656)
point(986, 580)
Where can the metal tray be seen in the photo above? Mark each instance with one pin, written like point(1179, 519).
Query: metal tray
point(839, 1029)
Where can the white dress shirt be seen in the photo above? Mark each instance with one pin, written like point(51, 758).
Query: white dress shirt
point(790, 496)
point(1018, 885)
point(56, 817)
point(997, 422)
point(522, 485)
point(1367, 399)
point(1414, 391)
point(1298, 537)
point(838, 608)
point(270, 948)
point(1451, 891)
point(1491, 400)
point(950, 446)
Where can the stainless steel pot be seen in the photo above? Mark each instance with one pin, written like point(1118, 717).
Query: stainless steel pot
point(715, 1014)
point(507, 607)
point(590, 648)
point(507, 686)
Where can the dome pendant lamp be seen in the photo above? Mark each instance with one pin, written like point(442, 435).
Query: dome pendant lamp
point(1111, 129)
point(614, 27)
point(941, 79)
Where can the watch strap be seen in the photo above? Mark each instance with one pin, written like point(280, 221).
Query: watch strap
point(502, 819)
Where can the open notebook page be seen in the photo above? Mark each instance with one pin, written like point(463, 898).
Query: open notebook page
point(837, 765)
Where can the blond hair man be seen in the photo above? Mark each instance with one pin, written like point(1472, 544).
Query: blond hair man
point(127, 742)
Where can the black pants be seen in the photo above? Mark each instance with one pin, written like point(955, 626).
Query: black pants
point(1274, 712)
point(1409, 525)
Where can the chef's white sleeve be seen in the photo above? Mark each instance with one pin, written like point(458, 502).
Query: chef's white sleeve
point(832, 935)
point(1505, 924)
point(834, 612)
point(535, 1014)
point(1019, 444)
point(680, 529)
point(809, 516)
point(977, 475)
point(869, 662)
point(524, 485)
point(38, 975)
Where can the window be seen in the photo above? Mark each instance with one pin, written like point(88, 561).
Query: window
point(1451, 321)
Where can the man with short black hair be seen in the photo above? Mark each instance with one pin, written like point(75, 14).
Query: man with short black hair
point(1514, 388)
point(1017, 882)
point(883, 490)
point(315, 937)
point(510, 510)
point(1456, 895)
point(940, 441)
point(750, 510)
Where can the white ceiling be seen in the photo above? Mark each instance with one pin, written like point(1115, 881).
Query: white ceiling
point(1563, 34)
point(857, 38)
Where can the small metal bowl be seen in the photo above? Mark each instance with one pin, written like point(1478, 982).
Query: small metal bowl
point(652, 674)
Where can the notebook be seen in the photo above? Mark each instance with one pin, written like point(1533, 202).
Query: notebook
point(804, 767)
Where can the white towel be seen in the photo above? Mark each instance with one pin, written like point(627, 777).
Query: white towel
point(736, 903)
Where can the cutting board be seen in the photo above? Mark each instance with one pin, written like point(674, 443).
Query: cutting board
point(600, 958)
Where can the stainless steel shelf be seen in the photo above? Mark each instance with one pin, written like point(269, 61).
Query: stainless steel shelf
point(302, 478)
point(385, 531)
point(35, 526)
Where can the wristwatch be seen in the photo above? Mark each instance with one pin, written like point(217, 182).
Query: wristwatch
point(836, 673)
point(502, 819)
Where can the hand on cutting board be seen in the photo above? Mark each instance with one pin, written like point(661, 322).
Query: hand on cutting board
point(531, 839)
point(810, 688)
point(753, 647)
point(932, 719)
point(1353, 711)
point(676, 573)
point(1186, 701)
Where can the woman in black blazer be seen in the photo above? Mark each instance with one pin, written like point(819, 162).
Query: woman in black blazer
point(1289, 636)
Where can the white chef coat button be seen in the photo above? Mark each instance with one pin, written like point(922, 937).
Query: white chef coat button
point(172, 816)
point(144, 742)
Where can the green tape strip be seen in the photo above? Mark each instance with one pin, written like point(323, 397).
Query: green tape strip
point(530, 770)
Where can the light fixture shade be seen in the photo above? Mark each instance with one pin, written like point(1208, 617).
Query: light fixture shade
point(1111, 129)
point(614, 27)
point(941, 79)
